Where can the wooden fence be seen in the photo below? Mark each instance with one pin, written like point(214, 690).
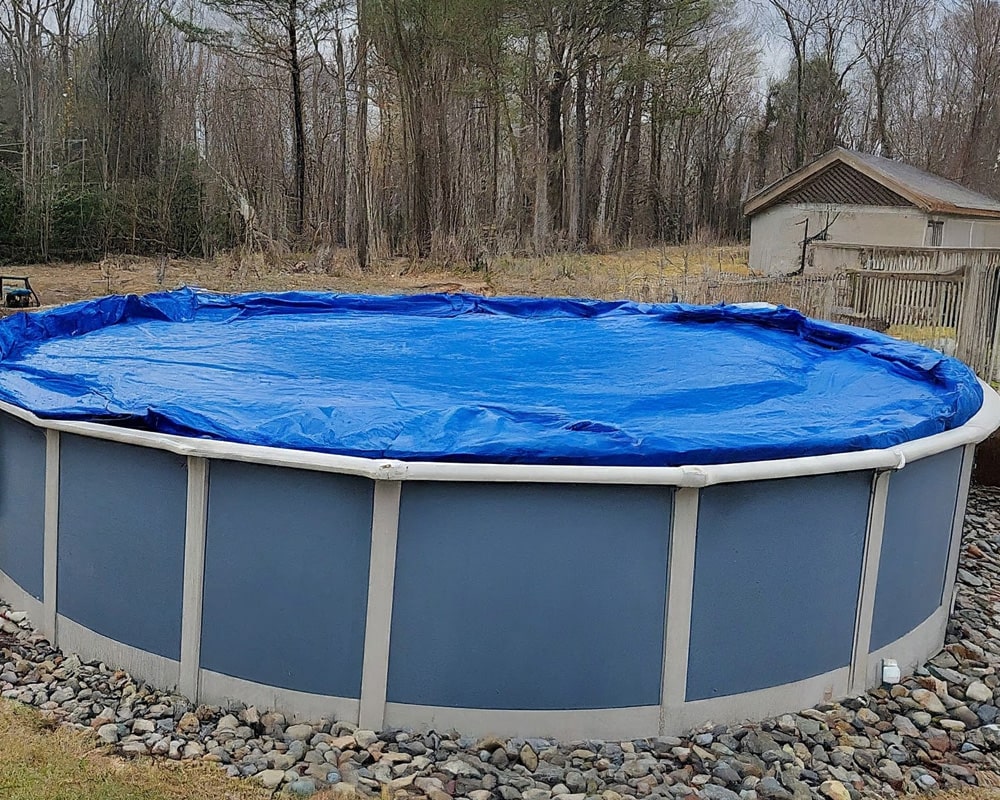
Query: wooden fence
point(945, 298)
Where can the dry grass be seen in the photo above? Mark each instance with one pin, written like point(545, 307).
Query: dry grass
point(39, 762)
point(645, 274)
point(970, 793)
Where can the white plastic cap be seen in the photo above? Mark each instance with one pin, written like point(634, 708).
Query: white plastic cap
point(890, 671)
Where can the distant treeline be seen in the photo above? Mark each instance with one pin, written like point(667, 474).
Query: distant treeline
point(461, 129)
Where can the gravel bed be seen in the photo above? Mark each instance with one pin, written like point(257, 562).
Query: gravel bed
point(937, 729)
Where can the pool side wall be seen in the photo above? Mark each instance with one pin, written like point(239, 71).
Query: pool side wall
point(561, 609)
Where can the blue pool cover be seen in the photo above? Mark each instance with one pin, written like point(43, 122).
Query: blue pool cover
point(464, 378)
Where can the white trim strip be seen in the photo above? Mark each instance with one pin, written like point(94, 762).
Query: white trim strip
point(378, 623)
point(50, 547)
point(220, 689)
point(154, 669)
point(196, 523)
point(985, 421)
point(615, 724)
point(911, 649)
point(680, 592)
point(868, 582)
point(762, 703)
point(955, 550)
point(20, 600)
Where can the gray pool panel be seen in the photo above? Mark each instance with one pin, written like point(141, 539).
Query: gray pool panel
point(286, 577)
point(121, 542)
point(22, 503)
point(510, 607)
point(776, 580)
point(529, 597)
point(916, 541)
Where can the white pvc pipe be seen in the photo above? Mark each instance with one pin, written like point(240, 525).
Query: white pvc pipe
point(981, 425)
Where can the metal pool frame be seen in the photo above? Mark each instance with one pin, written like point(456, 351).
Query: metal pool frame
point(570, 601)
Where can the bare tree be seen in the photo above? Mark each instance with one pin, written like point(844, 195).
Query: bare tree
point(886, 31)
point(361, 168)
point(270, 32)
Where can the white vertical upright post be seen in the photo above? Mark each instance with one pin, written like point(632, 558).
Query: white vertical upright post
point(50, 547)
point(680, 591)
point(378, 622)
point(968, 456)
point(196, 523)
point(858, 675)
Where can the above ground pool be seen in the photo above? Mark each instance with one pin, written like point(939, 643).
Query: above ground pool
point(519, 516)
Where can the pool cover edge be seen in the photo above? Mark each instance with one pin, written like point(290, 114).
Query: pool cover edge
point(951, 380)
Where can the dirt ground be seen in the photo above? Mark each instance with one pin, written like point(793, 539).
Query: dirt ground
point(643, 274)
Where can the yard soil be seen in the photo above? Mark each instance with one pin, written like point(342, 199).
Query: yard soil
point(648, 274)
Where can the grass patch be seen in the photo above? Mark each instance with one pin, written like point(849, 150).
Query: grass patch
point(648, 274)
point(918, 333)
point(41, 762)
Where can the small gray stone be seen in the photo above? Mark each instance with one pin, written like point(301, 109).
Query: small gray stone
point(295, 733)
point(302, 787)
point(921, 718)
point(134, 749)
point(639, 768)
point(928, 701)
point(967, 577)
point(62, 695)
point(460, 769)
point(271, 778)
point(710, 791)
point(889, 771)
point(281, 761)
point(575, 781)
point(966, 715)
point(772, 790)
point(108, 733)
point(725, 773)
point(979, 692)
point(227, 723)
point(365, 738)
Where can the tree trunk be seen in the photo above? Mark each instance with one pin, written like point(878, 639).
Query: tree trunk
point(630, 181)
point(295, 71)
point(554, 156)
point(762, 140)
point(655, 166)
point(340, 223)
point(448, 217)
point(799, 143)
point(541, 204)
point(582, 223)
point(420, 180)
point(361, 212)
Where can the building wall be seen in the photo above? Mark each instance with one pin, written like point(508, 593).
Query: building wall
point(956, 232)
point(776, 238)
point(985, 233)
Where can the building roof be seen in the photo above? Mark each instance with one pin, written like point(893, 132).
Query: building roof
point(898, 182)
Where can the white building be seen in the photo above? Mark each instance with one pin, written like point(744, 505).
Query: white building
point(852, 198)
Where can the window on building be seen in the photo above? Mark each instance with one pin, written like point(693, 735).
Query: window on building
point(935, 231)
